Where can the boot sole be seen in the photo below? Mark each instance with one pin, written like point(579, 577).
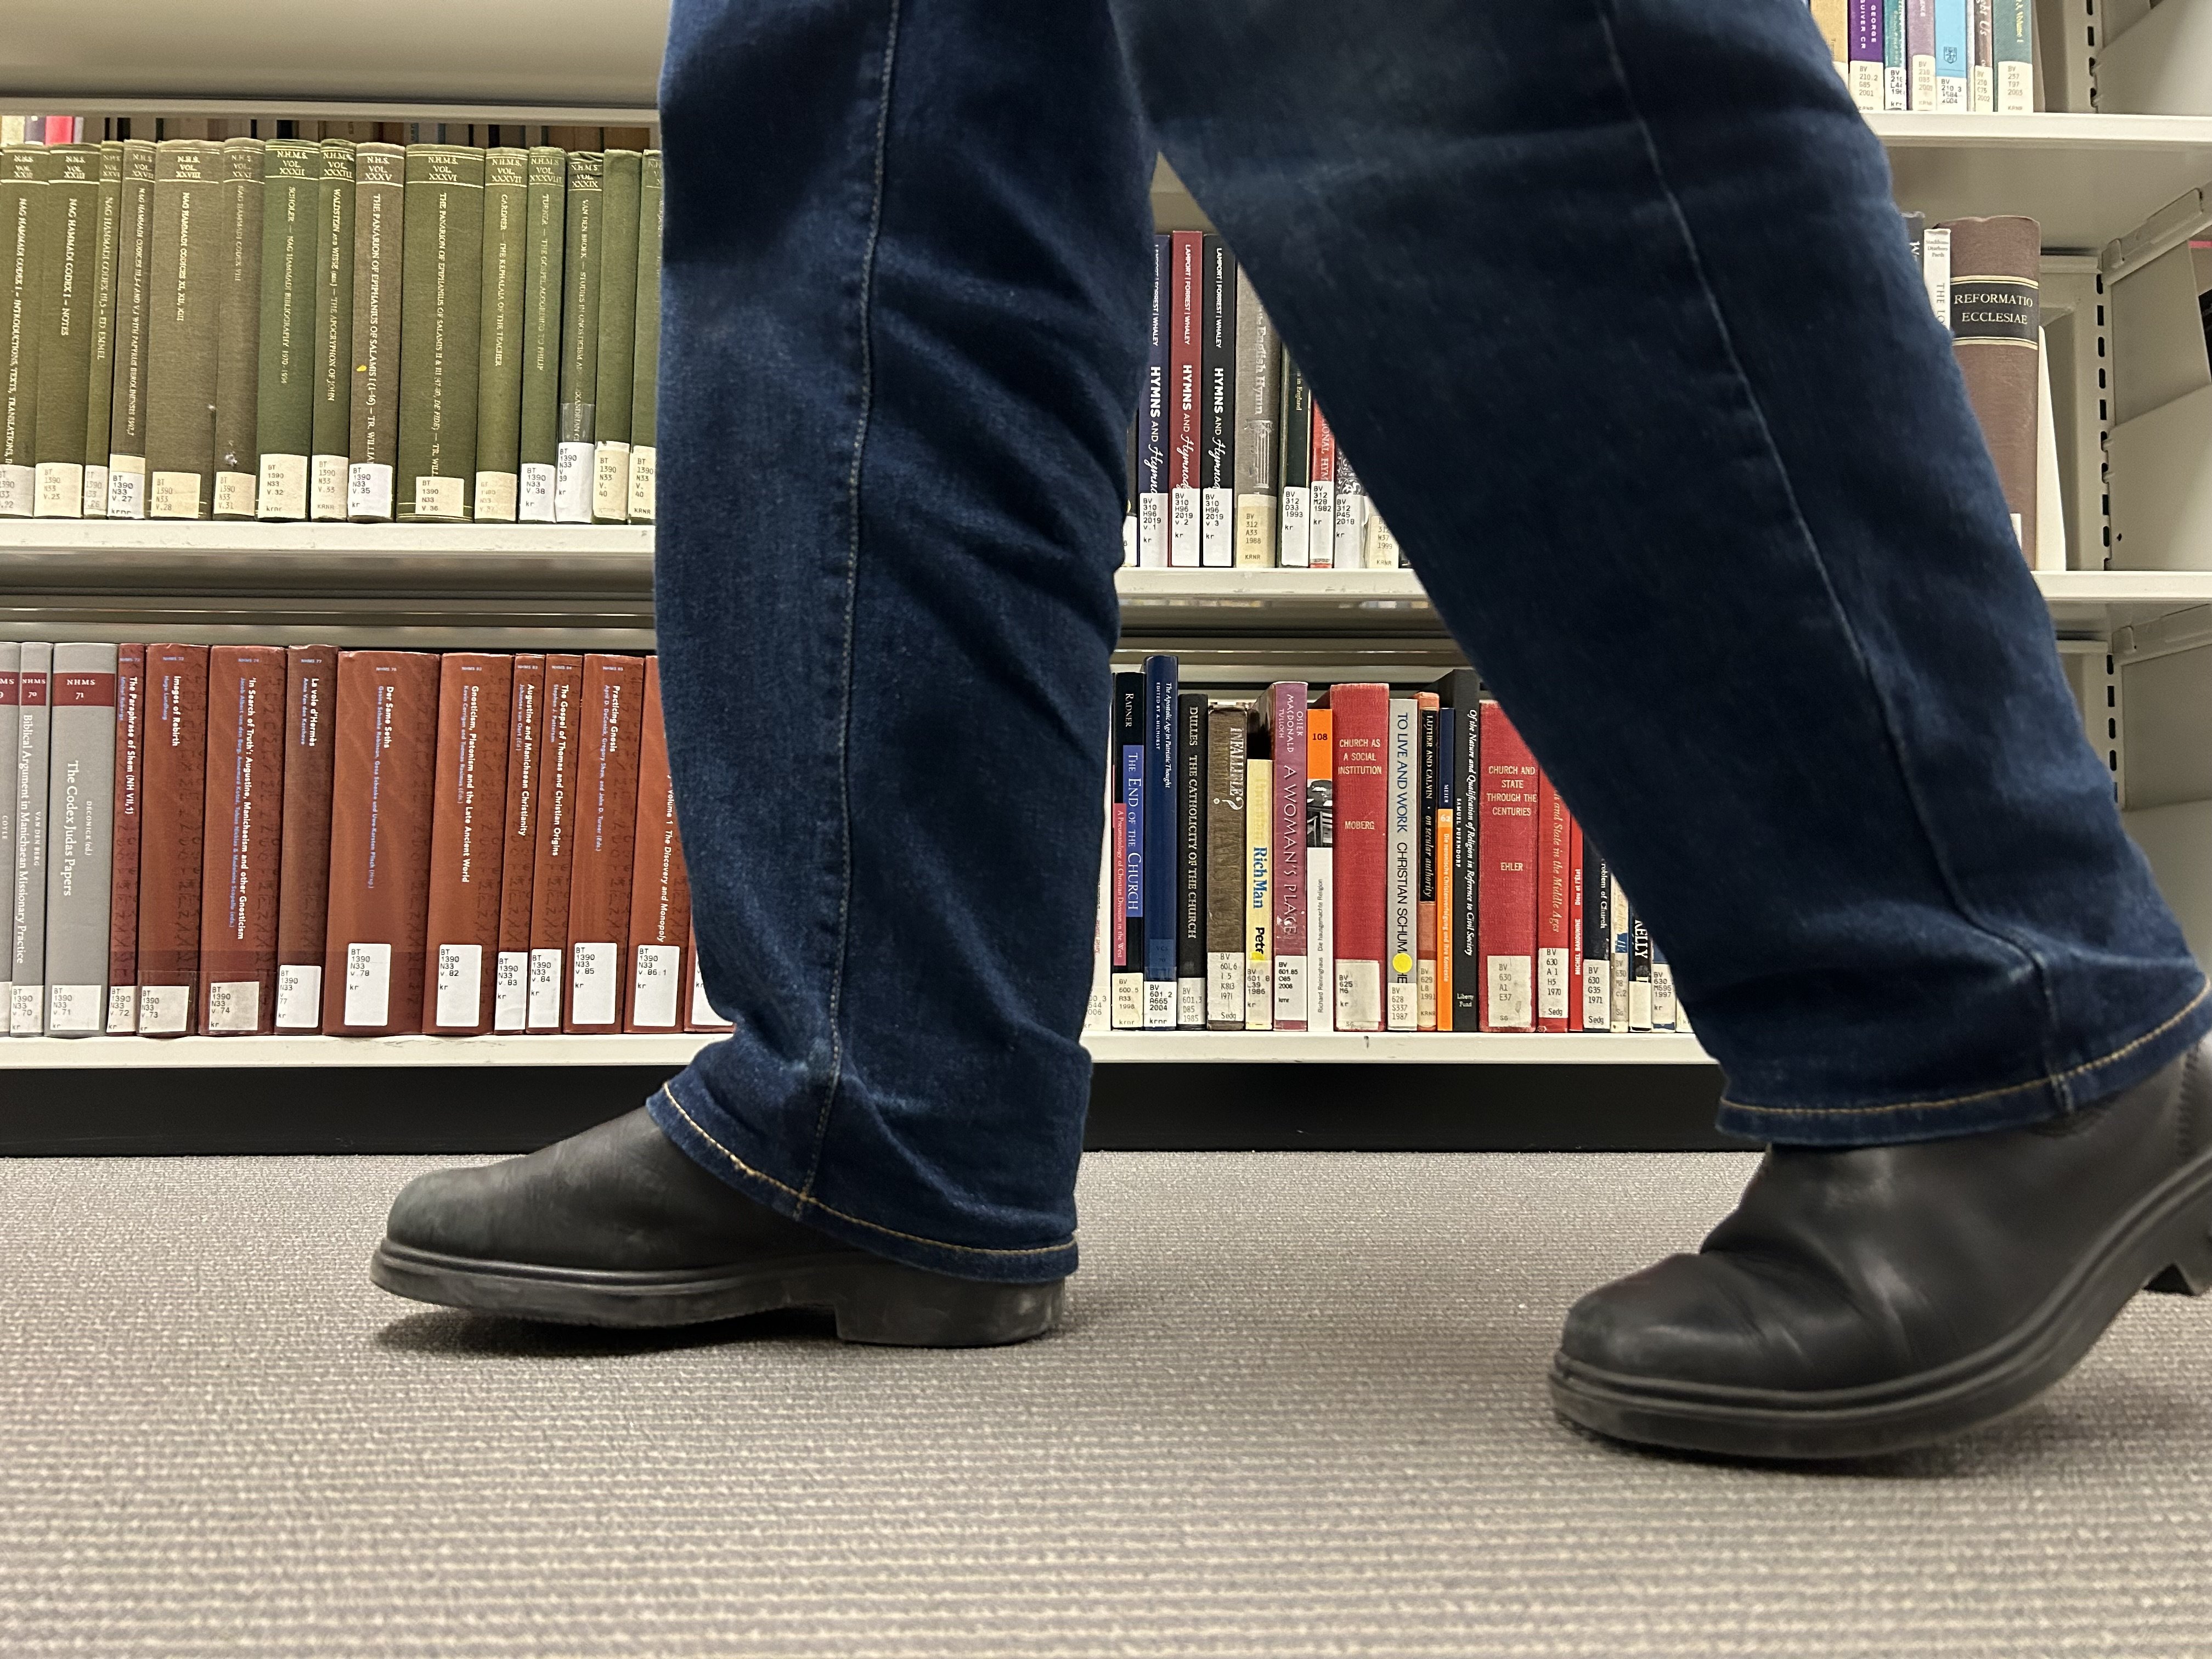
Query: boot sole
point(873, 1300)
point(2164, 1243)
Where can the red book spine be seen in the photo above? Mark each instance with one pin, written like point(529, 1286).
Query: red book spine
point(1575, 924)
point(1184, 320)
point(660, 894)
point(468, 820)
point(518, 847)
point(240, 870)
point(1320, 540)
point(553, 869)
point(606, 841)
point(1287, 857)
point(1507, 899)
point(303, 898)
point(1361, 715)
point(1555, 908)
point(130, 793)
point(175, 774)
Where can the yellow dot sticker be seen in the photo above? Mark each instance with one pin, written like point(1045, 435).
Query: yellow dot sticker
point(1401, 963)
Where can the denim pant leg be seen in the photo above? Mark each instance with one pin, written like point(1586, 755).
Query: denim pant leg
point(907, 271)
point(1609, 303)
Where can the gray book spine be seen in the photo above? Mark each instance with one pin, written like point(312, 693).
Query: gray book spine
point(333, 369)
point(70, 238)
point(379, 193)
point(11, 663)
point(134, 312)
point(26, 999)
point(644, 425)
point(190, 265)
point(285, 414)
point(238, 333)
point(23, 170)
point(617, 338)
point(499, 338)
point(80, 815)
point(99, 367)
point(1259, 399)
point(544, 236)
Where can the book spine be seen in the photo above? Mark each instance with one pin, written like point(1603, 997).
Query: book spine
point(537, 434)
point(331, 395)
point(1190, 859)
point(1153, 417)
point(81, 814)
point(380, 211)
point(577, 425)
point(1160, 823)
point(1186, 325)
point(1258, 473)
point(1666, 1007)
point(1554, 908)
point(1507, 921)
point(2014, 26)
point(661, 895)
point(1098, 1011)
point(1464, 694)
point(1981, 81)
point(1288, 931)
point(1954, 56)
point(69, 282)
point(32, 748)
point(552, 868)
point(303, 893)
point(499, 336)
point(1895, 95)
point(1217, 400)
point(1597, 940)
point(441, 289)
point(1294, 538)
point(1401, 865)
point(1936, 270)
point(99, 355)
point(644, 414)
point(1430, 717)
point(1361, 716)
point(1995, 328)
point(243, 839)
point(238, 331)
point(11, 659)
point(191, 264)
point(617, 378)
point(1259, 872)
point(284, 419)
point(1863, 27)
point(1441, 840)
point(126, 770)
point(518, 850)
point(1579, 899)
point(1920, 53)
point(386, 730)
point(1225, 867)
point(1129, 706)
point(606, 840)
point(468, 826)
point(1639, 973)
point(1619, 956)
point(1832, 18)
point(171, 824)
point(135, 305)
point(24, 169)
point(1356, 525)
point(1321, 538)
point(1321, 857)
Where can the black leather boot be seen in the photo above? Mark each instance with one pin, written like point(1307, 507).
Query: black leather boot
point(616, 1226)
point(1873, 1298)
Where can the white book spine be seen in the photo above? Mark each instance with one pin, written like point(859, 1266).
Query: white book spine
point(1258, 896)
point(1321, 946)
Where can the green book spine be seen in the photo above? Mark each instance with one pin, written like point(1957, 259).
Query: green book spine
point(438, 331)
point(189, 266)
point(69, 247)
point(643, 401)
point(23, 170)
point(538, 436)
point(332, 383)
point(99, 376)
point(618, 199)
point(134, 320)
point(579, 339)
point(238, 332)
point(499, 333)
point(379, 191)
point(284, 419)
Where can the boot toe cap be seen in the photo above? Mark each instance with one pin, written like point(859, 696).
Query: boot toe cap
point(443, 1212)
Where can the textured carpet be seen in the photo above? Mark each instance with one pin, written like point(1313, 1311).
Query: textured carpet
point(1298, 1411)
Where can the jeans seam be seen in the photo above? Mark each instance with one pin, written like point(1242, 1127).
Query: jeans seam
point(1882, 702)
point(806, 1202)
point(852, 605)
point(2049, 1080)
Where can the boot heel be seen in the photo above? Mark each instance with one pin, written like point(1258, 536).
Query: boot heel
point(2191, 1271)
point(906, 1308)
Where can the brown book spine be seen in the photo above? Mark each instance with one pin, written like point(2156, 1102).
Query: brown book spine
point(1995, 267)
point(175, 774)
point(609, 728)
point(303, 902)
point(660, 894)
point(554, 862)
point(518, 847)
point(123, 884)
point(386, 735)
point(243, 840)
point(468, 820)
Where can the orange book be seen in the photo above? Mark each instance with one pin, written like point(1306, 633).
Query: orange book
point(609, 731)
point(468, 824)
point(659, 895)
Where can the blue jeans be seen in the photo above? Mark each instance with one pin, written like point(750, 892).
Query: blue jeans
point(1610, 302)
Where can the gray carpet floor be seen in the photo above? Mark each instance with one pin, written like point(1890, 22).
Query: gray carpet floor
point(1297, 1411)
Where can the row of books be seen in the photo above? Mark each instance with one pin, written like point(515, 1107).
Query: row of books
point(251, 839)
point(1357, 858)
point(294, 328)
point(1955, 57)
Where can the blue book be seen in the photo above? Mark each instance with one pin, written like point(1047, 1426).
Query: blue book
point(1954, 55)
point(1129, 977)
point(1161, 681)
point(1152, 418)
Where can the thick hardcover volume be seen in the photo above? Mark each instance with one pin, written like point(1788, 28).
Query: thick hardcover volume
point(1258, 869)
point(1428, 717)
point(610, 718)
point(68, 278)
point(170, 828)
point(577, 426)
point(1321, 461)
point(1321, 889)
point(543, 240)
point(440, 295)
point(1216, 406)
point(81, 826)
point(1401, 1004)
point(1507, 920)
point(1361, 715)
point(238, 331)
point(1440, 841)
point(1863, 30)
point(1129, 873)
point(1954, 56)
point(553, 863)
point(518, 850)
point(660, 894)
point(100, 349)
point(644, 408)
point(1596, 1010)
point(379, 209)
point(11, 657)
point(1153, 421)
point(1259, 398)
point(135, 305)
point(1186, 324)
point(1286, 859)
point(303, 898)
point(386, 731)
point(1225, 866)
point(191, 265)
point(241, 866)
point(499, 334)
point(128, 770)
point(1294, 433)
point(1920, 53)
point(291, 234)
point(468, 826)
point(1462, 696)
point(1894, 95)
point(2015, 45)
point(1160, 826)
point(1190, 859)
point(1554, 908)
point(24, 169)
point(1995, 319)
point(332, 384)
point(617, 376)
point(33, 746)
